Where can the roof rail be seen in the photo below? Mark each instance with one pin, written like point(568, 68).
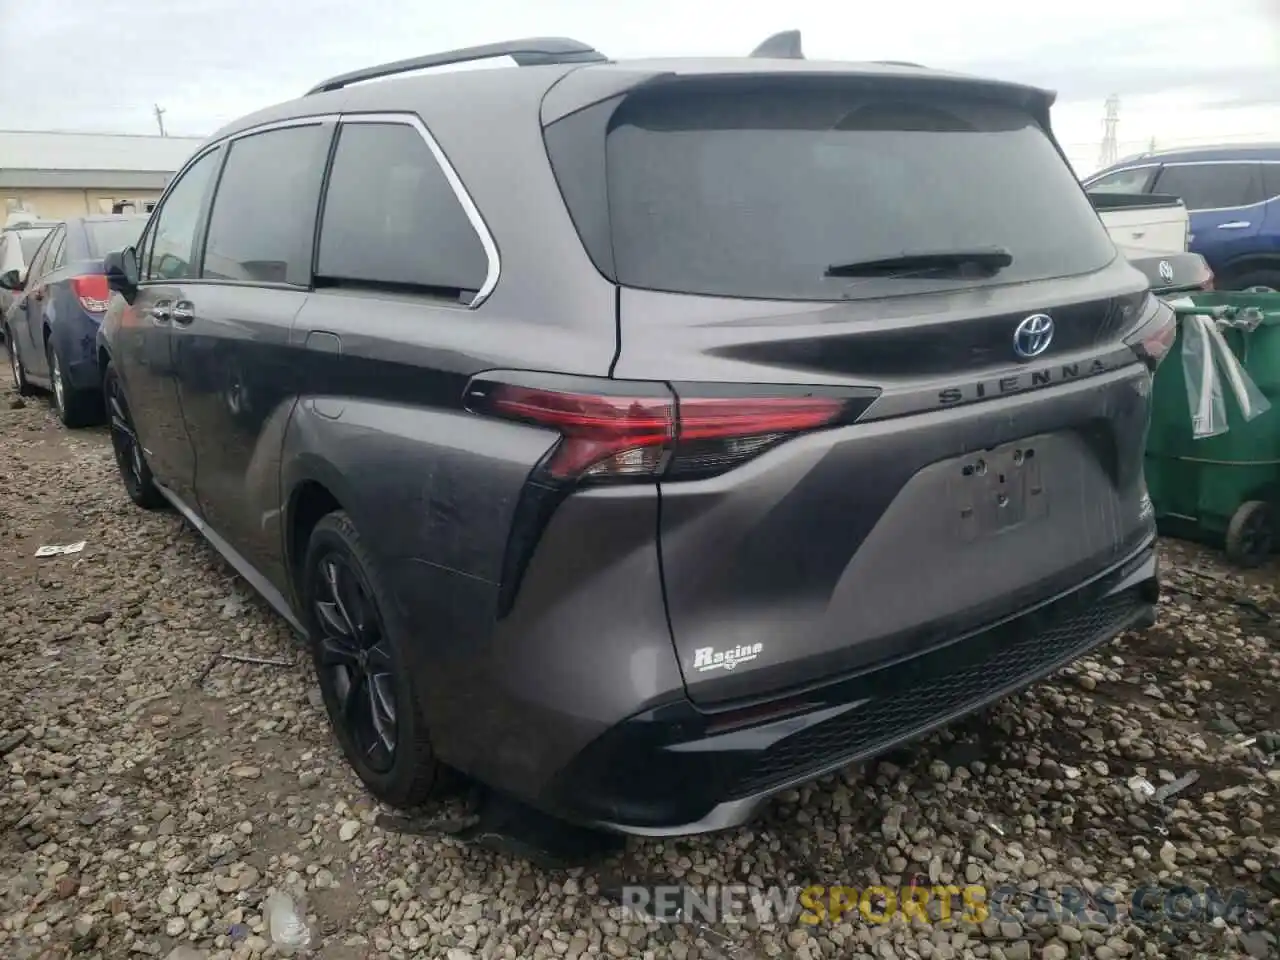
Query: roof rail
point(528, 52)
point(902, 63)
point(781, 46)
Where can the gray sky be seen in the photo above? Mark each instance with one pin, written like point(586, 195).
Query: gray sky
point(1184, 69)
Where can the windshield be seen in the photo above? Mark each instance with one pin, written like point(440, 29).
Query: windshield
point(109, 236)
point(29, 241)
point(755, 193)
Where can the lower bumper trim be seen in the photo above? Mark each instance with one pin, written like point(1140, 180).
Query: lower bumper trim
point(665, 774)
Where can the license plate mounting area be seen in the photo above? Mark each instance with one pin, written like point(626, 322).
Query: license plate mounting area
point(998, 489)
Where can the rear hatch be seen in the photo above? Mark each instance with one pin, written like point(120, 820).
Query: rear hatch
point(917, 254)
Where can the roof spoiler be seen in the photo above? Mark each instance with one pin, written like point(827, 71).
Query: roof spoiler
point(781, 46)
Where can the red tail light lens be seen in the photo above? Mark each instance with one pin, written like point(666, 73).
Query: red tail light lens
point(603, 435)
point(651, 433)
point(93, 293)
point(1155, 338)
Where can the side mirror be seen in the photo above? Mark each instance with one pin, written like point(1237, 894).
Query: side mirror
point(122, 272)
point(11, 280)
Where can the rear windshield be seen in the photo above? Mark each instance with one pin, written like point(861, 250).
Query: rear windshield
point(756, 193)
point(29, 241)
point(110, 236)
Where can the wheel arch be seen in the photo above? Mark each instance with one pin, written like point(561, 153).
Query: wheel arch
point(1248, 263)
point(309, 501)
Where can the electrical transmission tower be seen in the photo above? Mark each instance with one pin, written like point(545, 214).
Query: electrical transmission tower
point(1109, 153)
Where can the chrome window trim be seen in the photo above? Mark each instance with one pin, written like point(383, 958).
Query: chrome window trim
point(490, 246)
point(1111, 173)
point(247, 132)
point(469, 207)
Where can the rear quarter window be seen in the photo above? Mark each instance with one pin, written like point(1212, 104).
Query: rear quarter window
point(391, 216)
point(754, 192)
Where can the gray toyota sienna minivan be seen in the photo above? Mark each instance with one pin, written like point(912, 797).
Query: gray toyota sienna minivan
point(644, 438)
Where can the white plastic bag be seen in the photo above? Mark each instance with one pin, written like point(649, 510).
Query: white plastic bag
point(1205, 400)
point(1249, 398)
point(287, 923)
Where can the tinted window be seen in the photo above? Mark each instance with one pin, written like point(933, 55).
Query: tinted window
point(29, 240)
point(263, 217)
point(1210, 186)
point(1123, 181)
point(391, 215)
point(37, 265)
point(109, 236)
point(174, 234)
point(754, 193)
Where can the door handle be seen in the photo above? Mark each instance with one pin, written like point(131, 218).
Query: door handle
point(161, 311)
point(1235, 225)
point(184, 311)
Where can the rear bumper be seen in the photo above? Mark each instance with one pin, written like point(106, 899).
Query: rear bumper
point(676, 770)
point(77, 337)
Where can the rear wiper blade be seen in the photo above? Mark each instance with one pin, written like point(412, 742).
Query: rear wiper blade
point(983, 260)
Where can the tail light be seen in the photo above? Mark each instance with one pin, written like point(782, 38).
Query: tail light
point(619, 431)
point(1207, 283)
point(1155, 338)
point(92, 292)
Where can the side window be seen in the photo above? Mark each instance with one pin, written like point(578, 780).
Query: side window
point(263, 218)
point(173, 235)
point(59, 249)
point(1212, 186)
point(36, 269)
point(1133, 180)
point(391, 216)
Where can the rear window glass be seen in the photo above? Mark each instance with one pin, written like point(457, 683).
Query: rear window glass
point(30, 241)
point(755, 194)
point(110, 236)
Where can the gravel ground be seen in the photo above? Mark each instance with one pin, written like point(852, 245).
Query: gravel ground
point(144, 813)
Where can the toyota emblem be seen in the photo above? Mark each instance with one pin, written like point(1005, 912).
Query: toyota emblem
point(1165, 270)
point(1033, 336)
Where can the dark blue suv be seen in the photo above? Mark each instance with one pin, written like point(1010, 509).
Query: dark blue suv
point(1233, 196)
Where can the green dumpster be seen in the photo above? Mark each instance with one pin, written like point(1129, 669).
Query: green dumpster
point(1223, 488)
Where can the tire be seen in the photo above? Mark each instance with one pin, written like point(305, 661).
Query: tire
point(1265, 281)
point(75, 408)
point(1251, 534)
point(131, 463)
point(16, 368)
point(358, 648)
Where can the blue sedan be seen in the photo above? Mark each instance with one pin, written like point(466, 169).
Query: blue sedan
point(52, 326)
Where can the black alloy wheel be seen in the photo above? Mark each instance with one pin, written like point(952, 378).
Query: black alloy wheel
point(370, 695)
point(352, 650)
point(131, 463)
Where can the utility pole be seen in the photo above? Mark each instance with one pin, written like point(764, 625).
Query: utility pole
point(1109, 153)
point(160, 119)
